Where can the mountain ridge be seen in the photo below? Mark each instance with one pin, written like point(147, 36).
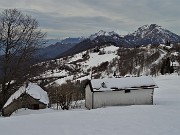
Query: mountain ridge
point(152, 34)
point(145, 35)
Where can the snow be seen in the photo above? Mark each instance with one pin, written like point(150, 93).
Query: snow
point(76, 57)
point(26, 111)
point(175, 63)
point(61, 73)
point(63, 80)
point(110, 49)
point(175, 53)
point(33, 90)
point(56, 73)
point(159, 119)
point(96, 59)
point(102, 33)
point(122, 83)
point(162, 54)
point(77, 61)
point(84, 78)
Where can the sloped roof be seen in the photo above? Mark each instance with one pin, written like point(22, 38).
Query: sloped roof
point(110, 84)
point(33, 90)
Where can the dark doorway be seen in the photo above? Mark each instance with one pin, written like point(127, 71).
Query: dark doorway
point(36, 106)
point(127, 91)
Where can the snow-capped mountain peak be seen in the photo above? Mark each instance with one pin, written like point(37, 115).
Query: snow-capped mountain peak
point(102, 33)
point(152, 34)
point(146, 30)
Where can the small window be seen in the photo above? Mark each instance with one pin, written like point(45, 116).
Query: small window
point(103, 85)
point(127, 91)
point(36, 106)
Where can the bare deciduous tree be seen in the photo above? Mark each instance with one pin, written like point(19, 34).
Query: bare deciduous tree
point(19, 38)
point(67, 95)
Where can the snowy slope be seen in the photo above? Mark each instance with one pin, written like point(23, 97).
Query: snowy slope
point(103, 63)
point(162, 55)
point(159, 119)
point(95, 59)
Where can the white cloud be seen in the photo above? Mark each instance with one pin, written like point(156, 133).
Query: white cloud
point(84, 17)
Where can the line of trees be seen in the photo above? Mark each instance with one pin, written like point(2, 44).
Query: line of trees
point(67, 95)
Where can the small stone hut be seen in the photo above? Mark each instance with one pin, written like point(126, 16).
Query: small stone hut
point(29, 96)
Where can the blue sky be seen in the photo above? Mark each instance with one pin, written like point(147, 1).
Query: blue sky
point(73, 18)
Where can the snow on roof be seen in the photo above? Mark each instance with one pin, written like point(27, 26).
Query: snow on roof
point(110, 84)
point(33, 90)
point(175, 63)
point(175, 53)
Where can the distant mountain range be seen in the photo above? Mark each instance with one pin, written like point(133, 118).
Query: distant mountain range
point(72, 40)
point(52, 51)
point(97, 39)
point(54, 48)
point(67, 40)
point(147, 34)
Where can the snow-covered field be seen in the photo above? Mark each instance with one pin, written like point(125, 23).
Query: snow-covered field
point(159, 119)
